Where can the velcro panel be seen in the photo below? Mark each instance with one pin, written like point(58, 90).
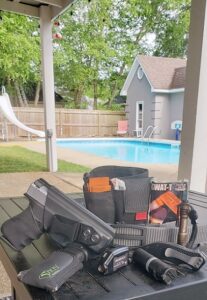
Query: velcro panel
point(137, 194)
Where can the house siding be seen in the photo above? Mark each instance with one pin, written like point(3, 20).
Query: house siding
point(162, 116)
point(160, 109)
point(140, 90)
point(176, 110)
point(168, 108)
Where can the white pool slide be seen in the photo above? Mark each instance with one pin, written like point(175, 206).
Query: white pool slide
point(7, 110)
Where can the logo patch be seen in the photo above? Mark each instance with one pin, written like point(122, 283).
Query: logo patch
point(49, 272)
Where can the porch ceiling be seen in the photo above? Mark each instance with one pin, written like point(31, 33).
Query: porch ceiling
point(32, 7)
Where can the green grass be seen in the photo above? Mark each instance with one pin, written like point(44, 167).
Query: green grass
point(19, 159)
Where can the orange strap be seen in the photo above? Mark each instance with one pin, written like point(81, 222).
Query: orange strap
point(170, 200)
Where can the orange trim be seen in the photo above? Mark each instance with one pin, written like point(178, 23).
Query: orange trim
point(99, 184)
point(98, 180)
point(100, 188)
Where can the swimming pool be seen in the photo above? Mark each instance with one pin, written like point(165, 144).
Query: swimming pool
point(131, 150)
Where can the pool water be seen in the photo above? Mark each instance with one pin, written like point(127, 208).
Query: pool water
point(127, 150)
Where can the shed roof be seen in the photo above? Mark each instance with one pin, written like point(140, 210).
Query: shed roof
point(163, 72)
point(178, 80)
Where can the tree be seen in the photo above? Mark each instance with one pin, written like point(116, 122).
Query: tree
point(82, 56)
point(20, 54)
point(157, 27)
point(100, 42)
point(101, 39)
point(172, 33)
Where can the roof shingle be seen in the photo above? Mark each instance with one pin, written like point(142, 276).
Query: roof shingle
point(163, 72)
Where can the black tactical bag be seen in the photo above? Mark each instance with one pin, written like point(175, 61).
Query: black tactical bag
point(120, 206)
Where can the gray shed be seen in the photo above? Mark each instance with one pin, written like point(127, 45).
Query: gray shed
point(155, 92)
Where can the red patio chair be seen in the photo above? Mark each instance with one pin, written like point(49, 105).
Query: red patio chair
point(122, 127)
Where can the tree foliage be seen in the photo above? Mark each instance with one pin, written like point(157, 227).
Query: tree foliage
point(102, 38)
point(20, 53)
point(100, 41)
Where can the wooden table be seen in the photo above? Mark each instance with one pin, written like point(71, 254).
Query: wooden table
point(129, 283)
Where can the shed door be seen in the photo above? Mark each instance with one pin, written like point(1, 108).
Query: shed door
point(139, 117)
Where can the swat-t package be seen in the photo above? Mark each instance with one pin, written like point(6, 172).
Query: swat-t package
point(165, 198)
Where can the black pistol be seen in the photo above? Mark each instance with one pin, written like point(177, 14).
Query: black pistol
point(70, 225)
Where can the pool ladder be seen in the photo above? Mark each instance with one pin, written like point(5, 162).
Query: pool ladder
point(153, 128)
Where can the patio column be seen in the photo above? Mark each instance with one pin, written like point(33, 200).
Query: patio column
point(48, 86)
point(193, 159)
